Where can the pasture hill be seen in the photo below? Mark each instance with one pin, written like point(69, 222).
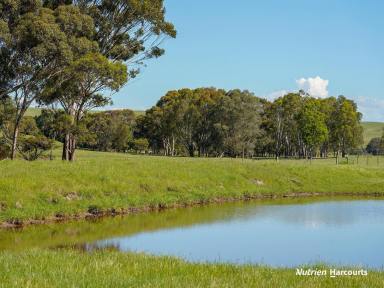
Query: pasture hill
point(372, 130)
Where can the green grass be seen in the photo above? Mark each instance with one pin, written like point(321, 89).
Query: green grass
point(41, 189)
point(372, 130)
point(33, 112)
point(67, 268)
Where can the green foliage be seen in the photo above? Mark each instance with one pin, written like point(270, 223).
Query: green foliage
point(140, 145)
point(108, 131)
point(214, 122)
point(28, 126)
point(237, 122)
point(7, 110)
point(205, 120)
point(346, 131)
point(111, 34)
point(32, 147)
point(312, 125)
point(301, 126)
point(36, 44)
point(98, 72)
point(51, 123)
point(5, 148)
point(376, 146)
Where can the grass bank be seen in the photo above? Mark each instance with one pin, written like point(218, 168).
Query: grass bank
point(67, 268)
point(100, 182)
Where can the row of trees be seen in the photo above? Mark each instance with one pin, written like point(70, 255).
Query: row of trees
point(213, 122)
point(206, 121)
point(101, 131)
point(72, 53)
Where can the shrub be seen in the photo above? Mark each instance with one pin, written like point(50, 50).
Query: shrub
point(33, 147)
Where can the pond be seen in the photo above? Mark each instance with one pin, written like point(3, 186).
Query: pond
point(279, 233)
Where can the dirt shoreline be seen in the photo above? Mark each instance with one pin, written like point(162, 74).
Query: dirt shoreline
point(12, 224)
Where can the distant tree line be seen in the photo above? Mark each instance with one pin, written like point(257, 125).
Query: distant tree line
point(210, 122)
point(214, 122)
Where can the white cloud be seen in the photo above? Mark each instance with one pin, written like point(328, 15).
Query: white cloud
point(372, 108)
point(316, 87)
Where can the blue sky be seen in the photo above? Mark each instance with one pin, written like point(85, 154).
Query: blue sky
point(269, 47)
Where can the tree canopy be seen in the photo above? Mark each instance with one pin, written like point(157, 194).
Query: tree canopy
point(74, 53)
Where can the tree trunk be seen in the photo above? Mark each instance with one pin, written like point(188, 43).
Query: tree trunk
point(14, 140)
point(191, 150)
point(69, 147)
point(72, 148)
point(66, 148)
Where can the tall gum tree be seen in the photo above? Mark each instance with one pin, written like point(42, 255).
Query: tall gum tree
point(127, 31)
point(34, 48)
point(92, 73)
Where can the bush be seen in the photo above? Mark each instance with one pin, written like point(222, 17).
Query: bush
point(5, 149)
point(375, 146)
point(33, 147)
point(140, 145)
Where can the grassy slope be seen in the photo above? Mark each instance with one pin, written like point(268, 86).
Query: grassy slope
point(372, 130)
point(33, 112)
point(112, 269)
point(109, 180)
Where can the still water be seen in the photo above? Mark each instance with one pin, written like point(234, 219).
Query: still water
point(287, 233)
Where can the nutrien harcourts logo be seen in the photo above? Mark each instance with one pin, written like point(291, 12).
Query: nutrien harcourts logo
point(333, 273)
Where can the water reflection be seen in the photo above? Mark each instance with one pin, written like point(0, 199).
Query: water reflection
point(276, 232)
point(341, 233)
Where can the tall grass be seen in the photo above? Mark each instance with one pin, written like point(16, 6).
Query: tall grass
point(102, 181)
point(66, 268)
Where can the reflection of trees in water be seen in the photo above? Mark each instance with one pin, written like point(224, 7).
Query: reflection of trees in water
point(299, 212)
point(327, 213)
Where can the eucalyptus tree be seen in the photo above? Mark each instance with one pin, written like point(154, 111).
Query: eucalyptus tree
point(34, 48)
point(108, 130)
point(81, 89)
point(127, 32)
point(312, 126)
point(238, 119)
point(346, 131)
point(282, 124)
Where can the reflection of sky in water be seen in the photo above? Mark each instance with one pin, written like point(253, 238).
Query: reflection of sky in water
point(345, 233)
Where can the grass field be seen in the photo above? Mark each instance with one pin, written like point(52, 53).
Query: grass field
point(99, 182)
point(372, 130)
point(67, 268)
point(33, 112)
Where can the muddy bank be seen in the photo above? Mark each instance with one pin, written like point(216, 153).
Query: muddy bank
point(95, 212)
